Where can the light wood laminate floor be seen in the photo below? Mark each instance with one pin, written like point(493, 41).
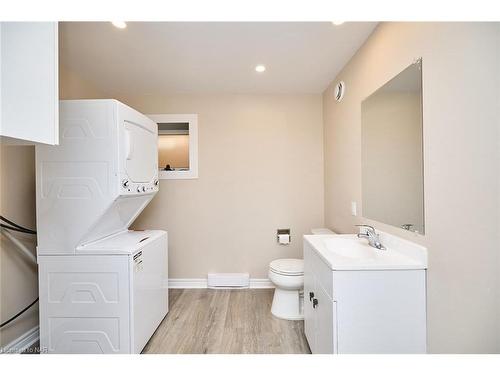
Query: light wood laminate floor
point(225, 321)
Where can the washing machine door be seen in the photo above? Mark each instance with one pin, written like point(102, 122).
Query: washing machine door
point(141, 152)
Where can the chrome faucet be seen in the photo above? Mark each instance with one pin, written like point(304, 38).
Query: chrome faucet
point(371, 236)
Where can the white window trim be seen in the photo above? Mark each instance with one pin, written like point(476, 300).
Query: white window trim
point(192, 120)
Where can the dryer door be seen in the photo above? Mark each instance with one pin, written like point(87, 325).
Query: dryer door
point(141, 152)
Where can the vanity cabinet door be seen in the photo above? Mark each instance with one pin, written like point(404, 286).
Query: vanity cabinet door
point(309, 292)
point(325, 310)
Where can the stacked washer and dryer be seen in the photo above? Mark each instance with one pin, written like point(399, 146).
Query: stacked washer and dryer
point(103, 288)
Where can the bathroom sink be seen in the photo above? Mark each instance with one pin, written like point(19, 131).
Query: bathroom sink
point(348, 252)
point(350, 247)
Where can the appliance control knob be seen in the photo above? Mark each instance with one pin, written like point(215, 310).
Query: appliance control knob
point(138, 189)
point(144, 188)
point(157, 182)
point(125, 183)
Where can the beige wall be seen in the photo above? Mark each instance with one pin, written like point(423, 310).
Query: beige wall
point(260, 169)
point(72, 86)
point(461, 157)
point(18, 276)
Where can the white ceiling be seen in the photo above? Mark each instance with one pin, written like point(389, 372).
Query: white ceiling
point(204, 57)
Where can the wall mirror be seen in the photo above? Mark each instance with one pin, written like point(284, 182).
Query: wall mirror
point(392, 152)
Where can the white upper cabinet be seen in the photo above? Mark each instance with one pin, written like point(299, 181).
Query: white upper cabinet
point(29, 97)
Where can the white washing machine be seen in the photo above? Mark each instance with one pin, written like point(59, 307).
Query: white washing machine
point(103, 288)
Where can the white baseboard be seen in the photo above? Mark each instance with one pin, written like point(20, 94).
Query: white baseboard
point(224, 280)
point(187, 283)
point(261, 284)
point(23, 342)
point(202, 284)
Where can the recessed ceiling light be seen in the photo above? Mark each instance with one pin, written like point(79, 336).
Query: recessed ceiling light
point(260, 68)
point(337, 23)
point(119, 24)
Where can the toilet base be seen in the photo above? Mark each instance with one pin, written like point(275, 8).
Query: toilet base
point(288, 304)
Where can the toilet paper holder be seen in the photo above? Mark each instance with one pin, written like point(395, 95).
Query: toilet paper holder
point(280, 232)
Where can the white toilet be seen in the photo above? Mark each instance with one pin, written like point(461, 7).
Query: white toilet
point(288, 277)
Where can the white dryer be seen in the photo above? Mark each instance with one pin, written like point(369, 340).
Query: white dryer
point(103, 288)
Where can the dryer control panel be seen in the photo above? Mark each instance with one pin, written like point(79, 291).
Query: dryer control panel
point(133, 188)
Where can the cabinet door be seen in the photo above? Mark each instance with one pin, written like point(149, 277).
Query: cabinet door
point(309, 313)
point(29, 98)
point(326, 323)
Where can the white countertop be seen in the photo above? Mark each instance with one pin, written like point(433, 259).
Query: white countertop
point(347, 252)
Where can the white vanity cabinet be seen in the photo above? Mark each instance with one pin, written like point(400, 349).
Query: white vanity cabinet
point(362, 310)
point(320, 321)
point(29, 86)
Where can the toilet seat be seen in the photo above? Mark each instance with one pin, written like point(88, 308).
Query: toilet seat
point(287, 267)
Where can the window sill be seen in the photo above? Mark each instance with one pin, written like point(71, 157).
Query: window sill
point(177, 175)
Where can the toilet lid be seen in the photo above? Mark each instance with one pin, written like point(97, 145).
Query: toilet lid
point(287, 266)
